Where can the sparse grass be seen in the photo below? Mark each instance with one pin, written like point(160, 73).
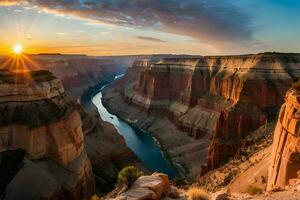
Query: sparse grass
point(229, 177)
point(195, 193)
point(252, 190)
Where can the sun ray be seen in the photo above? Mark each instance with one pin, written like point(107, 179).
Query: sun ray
point(31, 61)
point(6, 62)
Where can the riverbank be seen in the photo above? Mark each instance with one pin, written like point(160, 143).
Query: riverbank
point(139, 141)
point(185, 153)
point(157, 141)
point(106, 149)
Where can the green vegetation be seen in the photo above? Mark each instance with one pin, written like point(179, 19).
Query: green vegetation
point(128, 175)
point(195, 193)
point(252, 190)
point(229, 177)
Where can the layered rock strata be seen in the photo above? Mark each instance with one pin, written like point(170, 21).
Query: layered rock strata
point(285, 158)
point(39, 118)
point(219, 97)
point(107, 151)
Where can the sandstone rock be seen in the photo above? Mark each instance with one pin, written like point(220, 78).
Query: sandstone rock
point(157, 182)
point(285, 162)
point(220, 195)
point(147, 187)
point(224, 97)
point(173, 192)
point(41, 120)
point(138, 193)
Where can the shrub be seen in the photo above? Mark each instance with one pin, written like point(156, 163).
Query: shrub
point(252, 190)
point(195, 193)
point(128, 175)
point(95, 197)
point(296, 85)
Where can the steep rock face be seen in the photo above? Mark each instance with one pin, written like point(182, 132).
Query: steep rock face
point(78, 74)
point(285, 158)
point(225, 97)
point(41, 120)
point(107, 151)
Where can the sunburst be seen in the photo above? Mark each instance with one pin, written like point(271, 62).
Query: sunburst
point(19, 61)
point(18, 49)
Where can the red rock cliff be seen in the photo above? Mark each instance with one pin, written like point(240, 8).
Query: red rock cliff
point(285, 158)
point(38, 118)
point(225, 96)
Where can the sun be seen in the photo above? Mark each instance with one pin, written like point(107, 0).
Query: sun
point(18, 49)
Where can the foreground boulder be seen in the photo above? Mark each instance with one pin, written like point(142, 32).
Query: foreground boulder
point(285, 158)
point(150, 187)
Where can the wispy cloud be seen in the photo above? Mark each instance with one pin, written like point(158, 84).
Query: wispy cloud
point(212, 21)
point(19, 11)
point(79, 31)
point(61, 33)
point(152, 39)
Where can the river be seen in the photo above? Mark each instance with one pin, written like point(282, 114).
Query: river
point(140, 142)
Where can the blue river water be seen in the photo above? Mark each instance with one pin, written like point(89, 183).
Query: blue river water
point(140, 142)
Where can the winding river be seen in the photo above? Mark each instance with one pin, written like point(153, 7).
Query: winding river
point(140, 142)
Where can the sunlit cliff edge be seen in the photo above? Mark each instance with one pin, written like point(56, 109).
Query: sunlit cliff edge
point(206, 106)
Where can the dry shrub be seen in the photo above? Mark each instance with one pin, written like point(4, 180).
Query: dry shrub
point(296, 85)
point(95, 197)
point(252, 190)
point(195, 193)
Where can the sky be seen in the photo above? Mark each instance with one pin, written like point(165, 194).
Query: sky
point(127, 27)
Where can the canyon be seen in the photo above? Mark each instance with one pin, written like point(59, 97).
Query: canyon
point(266, 165)
point(36, 98)
point(201, 108)
point(213, 116)
point(43, 122)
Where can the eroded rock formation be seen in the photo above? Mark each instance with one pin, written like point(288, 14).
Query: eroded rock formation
point(219, 97)
point(285, 158)
point(155, 187)
point(39, 118)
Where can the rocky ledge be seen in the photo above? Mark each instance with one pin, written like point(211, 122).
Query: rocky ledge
point(41, 120)
point(155, 187)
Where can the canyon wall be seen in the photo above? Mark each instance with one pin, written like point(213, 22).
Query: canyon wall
point(220, 97)
point(77, 72)
point(82, 78)
point(38, 118)
point(285, 157)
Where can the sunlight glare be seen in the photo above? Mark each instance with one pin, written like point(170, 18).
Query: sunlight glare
point(18, 49)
